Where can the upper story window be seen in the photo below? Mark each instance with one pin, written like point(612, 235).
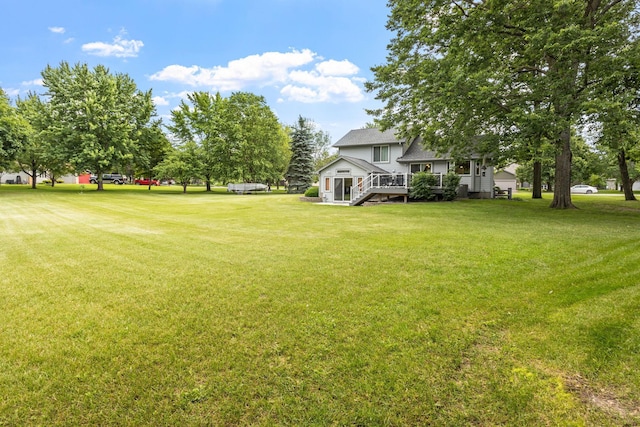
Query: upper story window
point(380, 153)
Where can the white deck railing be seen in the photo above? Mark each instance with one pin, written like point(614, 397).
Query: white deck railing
point(386, 180)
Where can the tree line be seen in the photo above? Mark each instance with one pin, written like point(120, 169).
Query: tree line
point(516, 81)
point(98, 121)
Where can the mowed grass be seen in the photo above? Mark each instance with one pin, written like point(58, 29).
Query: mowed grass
point(137, 307)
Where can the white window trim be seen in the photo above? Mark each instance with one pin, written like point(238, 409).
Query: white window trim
point(373, 153)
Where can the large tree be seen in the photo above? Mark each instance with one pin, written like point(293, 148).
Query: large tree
point(300, 171)
point(41, 153)
point(13, 131)
point(205, 119)
point(514, 72)
point(615, 113)
point(99, 115)
point(239, 137)
point(263, 144)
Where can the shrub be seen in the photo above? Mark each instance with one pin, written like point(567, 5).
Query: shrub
point(421, 186)
point(311, 192)
point(450, 183)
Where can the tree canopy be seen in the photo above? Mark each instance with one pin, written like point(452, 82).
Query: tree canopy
point(13, 130)
point(515, 73)
point(99, 116)
point(240, 138)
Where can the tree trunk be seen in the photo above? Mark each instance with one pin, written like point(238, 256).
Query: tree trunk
point(627, 184)
point(562, 187)
point(537, 180)
point(34, 173)
point(184, 187)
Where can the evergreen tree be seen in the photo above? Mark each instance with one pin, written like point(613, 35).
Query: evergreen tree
point(300, 171)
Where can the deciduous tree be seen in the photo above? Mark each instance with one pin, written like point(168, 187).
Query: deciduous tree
point(99, 116)
point(183, 165)
point(13, 130)
point(511, 71)
point(262, 150)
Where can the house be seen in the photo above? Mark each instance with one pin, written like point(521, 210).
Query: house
point(372, 163)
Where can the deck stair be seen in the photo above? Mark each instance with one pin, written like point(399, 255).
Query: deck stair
point(391, 184)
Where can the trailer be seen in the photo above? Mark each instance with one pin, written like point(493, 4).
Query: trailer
point(246, 187)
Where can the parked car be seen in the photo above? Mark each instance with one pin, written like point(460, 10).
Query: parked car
point(114, 178)
point(146, 181)
point(583, 189)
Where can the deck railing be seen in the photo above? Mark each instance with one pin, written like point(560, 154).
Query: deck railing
point(386, 180)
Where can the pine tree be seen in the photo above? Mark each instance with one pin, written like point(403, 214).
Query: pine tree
point(300, 171)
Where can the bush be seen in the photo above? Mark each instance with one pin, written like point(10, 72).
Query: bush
point(422, 185)
point(312, 192)
point(450, 183)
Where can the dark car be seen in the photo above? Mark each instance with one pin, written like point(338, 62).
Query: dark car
point(114, 178)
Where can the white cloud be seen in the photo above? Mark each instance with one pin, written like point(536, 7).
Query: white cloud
point(159, 100)
point(264, 69)
point(337, 68)
point(12, 92)
point(57, 30)
point(310, 86)
point(329, 81)
point(35, 82)
point(69, 40)
point(120, 47)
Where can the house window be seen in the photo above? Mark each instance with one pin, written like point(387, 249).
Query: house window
point(343, 171)
point(380, 153)
point(327, 184)
point(478, 167)
point(420, 167)
point(463, 168)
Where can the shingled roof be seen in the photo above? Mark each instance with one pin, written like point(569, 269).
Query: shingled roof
point(369, 136)
point(362, 164)
point(416, 153)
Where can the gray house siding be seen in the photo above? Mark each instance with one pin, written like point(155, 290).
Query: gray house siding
point(366, 153)
point(356, 162)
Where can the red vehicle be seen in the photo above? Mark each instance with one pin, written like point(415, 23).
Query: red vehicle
point(146, 181)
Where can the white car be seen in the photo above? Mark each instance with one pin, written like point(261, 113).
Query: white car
point(583, 189)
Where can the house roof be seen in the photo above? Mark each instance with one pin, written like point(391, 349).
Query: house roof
point(504, 174)
point(363, 164)
point(416, 153)
point(369, 136)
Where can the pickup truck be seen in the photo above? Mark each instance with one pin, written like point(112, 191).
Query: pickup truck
point(114, 178)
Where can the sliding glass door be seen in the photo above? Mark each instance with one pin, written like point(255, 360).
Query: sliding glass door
point(342, 189)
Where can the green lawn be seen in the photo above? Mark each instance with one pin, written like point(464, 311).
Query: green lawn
point(137, 307)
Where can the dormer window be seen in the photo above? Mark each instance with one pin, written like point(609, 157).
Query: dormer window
point(380, 154)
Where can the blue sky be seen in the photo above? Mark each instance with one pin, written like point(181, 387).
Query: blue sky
point(306, 57)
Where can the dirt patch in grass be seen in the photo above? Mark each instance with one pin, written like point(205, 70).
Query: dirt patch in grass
point(602, 399)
